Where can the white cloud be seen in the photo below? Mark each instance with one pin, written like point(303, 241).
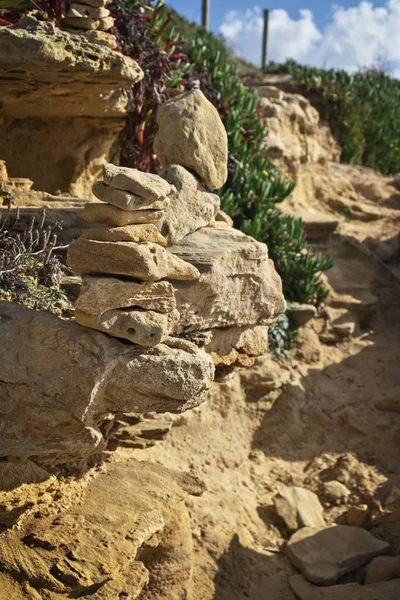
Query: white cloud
point(355, 37)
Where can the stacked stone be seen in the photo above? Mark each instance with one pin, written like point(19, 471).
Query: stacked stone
point(94, 18)
point(123, 263)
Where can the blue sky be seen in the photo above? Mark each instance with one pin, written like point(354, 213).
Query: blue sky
point(348, 34)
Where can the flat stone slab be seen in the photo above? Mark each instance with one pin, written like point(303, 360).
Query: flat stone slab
point(299, 507)
point(126, 200)
point(97, 212)
point(303, 590)
point(147, 185)
point(58, 381)
point(146, 261)
point(99, 294)
point(323, 555)
point(238, 284)
point(128, 233)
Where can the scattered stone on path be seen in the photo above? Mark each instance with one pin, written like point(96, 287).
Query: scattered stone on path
point(191, 134)
point(191, 206)
point(303, 590)
point(390, 404)
point(147, 185)
point(126, 200)
point(383, 568)
point(335, 491)
point(146, 261)
point(100, 294)
point(144, 327)
point(299, 508)
point(127, 233)
point(95, 212)
point(324, 555)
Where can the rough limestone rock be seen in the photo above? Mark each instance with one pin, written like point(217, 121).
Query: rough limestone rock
point(146, 261)
point(100, 37)
point(191, 206)
point(111, 215)
point(144, 327)
point(39, 64)
point(383, 568)
point(147, 185)
point(93, 548)
point(324, 555)
point(191, 134)
point(83, 10)
point(237, 346)
point(299, 507)
point(63, 380)
point(128, 233)
point(99, 294)
point(126, 200)
point(335, 491)
point(304, 590)
point(238, 284)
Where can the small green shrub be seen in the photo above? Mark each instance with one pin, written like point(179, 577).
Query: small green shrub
point(363, 111)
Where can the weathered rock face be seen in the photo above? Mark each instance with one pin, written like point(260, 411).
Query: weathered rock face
point(191, 134)
point(64, 379)
point(94, 547)
point(40, 66)
point(191, 207)
point(238, 284)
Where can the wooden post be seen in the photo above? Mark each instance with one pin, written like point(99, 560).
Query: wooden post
point(264, 59)
point(205, 14)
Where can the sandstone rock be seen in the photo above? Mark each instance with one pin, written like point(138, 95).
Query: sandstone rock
point(143, 327)
point(128, 233)
point(191, 206)
point(302, 313)
point(236, 345)
point(126, 200)
point(191, 134)
point(357, 516)
point(111, 215)
point(324, 555)
point(83, 22)
point(146, 261)
point(391, 404)
point(383, 568)
point(83, 10)
point(299, 508)
point(238, 284)
point(94, 544)
point(101, 294)
point(224, 218)
point(147, 185)
point(351, 591)
point(106, 23)
point(63, 380)
point(3, 174)
point(95, 3)
point(335, 491)
point(101, 37)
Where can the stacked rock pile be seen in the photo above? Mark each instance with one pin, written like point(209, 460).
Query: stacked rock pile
point(92, 18)
point(125, 263)
point(134, 303)
point(166, 261)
